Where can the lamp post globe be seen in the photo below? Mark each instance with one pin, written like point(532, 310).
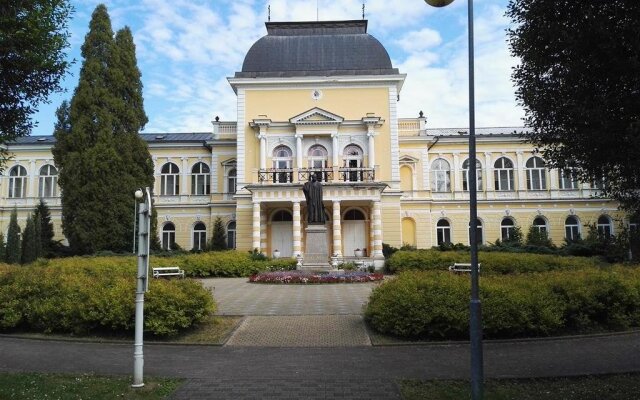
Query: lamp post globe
point(438, 3)
point(139, 194)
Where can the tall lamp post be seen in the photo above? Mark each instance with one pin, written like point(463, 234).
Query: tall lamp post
point(475, 323)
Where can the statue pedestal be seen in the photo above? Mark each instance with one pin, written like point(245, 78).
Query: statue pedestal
point(316, 249)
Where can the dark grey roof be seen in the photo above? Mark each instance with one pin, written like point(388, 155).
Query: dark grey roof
point(479, 131)
point(324, 48)
point(198, 137)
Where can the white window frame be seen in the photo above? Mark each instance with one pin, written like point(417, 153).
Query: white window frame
point(465, 175)
point(17, 182)
point(231, 235)
point(572, 230)
point(605, 229)
point(199, 236)
point(506, 230)
point(170, 180)
point(317, 154)
point(503, 168)
point(48, 181)
point(442, 231)
point(200, 179)
point(567, 179)
point(168, 236)
point(536, 174)
point(541, 227)
point(440, 176)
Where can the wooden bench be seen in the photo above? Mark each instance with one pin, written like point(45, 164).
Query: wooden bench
point(462, 267)
point(167, 271)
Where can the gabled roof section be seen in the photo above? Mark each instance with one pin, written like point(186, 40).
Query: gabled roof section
point(407, 159)
point(316, 116)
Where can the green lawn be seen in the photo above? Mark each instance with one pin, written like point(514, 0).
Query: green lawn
point(31, 386)
point(601, 387)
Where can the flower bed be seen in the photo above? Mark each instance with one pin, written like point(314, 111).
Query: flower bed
point(302, 277)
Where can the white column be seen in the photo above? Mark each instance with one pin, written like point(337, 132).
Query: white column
point(299, 150)
point(488, 168)
point(263, 231)
point(377, 229)
point(554, 178)
point(263, 150)
point(456, 176)
point(334, 150)
point(255, 243)
point(32, 180)
point(337, 232)
point(520, 171)
point(185, 175)
point(297, 229)
point(372, 151)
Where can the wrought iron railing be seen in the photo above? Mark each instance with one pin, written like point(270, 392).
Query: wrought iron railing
point(275, 175)
point(357, 174)
point(322, 174)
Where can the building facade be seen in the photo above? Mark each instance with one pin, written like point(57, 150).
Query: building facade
point(321, 98)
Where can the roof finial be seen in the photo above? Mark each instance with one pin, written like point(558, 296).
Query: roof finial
point(269, 13)
point(363, 10)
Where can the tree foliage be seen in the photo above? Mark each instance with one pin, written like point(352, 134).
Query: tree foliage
point(218, 237)
point(30, 242)
point(33, 40)
point(579, 84)
point(102, 158)
point(13, 239)
point(45, 229)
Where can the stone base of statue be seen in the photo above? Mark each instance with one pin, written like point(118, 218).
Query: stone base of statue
point(316, 249)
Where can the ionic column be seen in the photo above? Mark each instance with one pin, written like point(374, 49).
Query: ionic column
point(185, 176)
point(263, 150)
point(334, 153)
point(297, 226)
point(377, 229)
point(299, 151)
point(263, 231)
point(255, 242)
point(372, 151)
point(337, 233)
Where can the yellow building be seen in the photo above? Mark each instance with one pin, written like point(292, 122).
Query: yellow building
point(321, 97)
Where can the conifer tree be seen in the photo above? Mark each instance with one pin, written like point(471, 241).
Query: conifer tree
point(29, 242)
point(101, 157)
point(218, 237)
point(3, 249)
point(43, 216)
point(13, 239)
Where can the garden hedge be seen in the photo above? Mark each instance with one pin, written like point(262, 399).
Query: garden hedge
point(83, 295)
point(223, 264)
point(492, 263)
point(435, 305)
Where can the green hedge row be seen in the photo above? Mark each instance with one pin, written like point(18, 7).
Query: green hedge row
point(83, 295)
point(491, 262)
point(223, 264)
point(435, 305)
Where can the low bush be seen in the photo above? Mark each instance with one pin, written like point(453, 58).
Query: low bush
point(223, 264)
point(81, 295)
point(491, 262)
point(435, 305)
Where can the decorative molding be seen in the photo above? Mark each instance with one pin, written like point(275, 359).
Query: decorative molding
point(316, 116)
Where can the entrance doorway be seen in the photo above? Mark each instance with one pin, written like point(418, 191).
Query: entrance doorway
point(354, 232)
point(282, 233)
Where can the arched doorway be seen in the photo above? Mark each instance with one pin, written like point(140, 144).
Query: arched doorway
point(354, 232)
point(282, 233)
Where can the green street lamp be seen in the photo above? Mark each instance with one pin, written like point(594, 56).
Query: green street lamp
point(475, 322)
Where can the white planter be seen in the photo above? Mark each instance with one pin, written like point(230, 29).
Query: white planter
point(357, 253)
point(276, 254)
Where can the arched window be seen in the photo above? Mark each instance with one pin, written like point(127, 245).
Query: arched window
point(540, 224)
point(354, 215)
point(17, 182)
point(443, 231)
point(282, 159)
point(571, 228)
point(503, 174)
point(232, 179)
point(169, 180)
point(48, 181)
point(200, 179)
point(605, 227)
point(352, 158)
point(479, 233)
point(465, 175)
point(231, 235)
point(199, 236)
point(507, 228)
point(441, 176)
point(168, 236)
point(282, 215)
point(567, 179)
point(318, 156)
point(536, 174)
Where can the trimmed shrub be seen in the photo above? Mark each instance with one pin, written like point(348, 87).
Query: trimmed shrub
point(82, 295)
point(435, 305)
point(223, 264)
point(492, 262)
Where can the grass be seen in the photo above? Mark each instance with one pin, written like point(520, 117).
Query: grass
point(32, 386)
point(598, 387)
point(215, 330)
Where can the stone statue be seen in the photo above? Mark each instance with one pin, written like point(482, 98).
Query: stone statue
point(313, 194)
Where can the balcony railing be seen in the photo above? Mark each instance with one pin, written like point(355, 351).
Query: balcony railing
point(275, 175)
point(357, 174)
point(322, 174)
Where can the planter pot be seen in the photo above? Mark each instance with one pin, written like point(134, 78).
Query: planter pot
point(276, 254)
point(357, 253)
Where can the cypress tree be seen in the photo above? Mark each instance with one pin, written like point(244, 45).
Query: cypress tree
point(43, 216)
point(13, 239)
point(101, 157)
point(218, 237)
point(29, 240)
point(3, 249)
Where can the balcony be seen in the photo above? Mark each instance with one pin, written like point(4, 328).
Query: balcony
point(325, 175)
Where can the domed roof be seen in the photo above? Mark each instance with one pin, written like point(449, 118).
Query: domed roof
point(325, 48)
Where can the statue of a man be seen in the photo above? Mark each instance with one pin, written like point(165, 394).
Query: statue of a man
point(313, 194)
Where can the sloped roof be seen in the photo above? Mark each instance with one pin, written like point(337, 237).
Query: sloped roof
point(196, 137)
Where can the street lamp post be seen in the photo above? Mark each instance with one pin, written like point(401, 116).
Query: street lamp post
point(475, 322)
point(142, 282)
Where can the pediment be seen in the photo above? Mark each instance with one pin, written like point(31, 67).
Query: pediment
point(407, 159)
point(316, 116)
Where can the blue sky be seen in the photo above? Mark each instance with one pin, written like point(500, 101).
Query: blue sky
point(186, 49)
